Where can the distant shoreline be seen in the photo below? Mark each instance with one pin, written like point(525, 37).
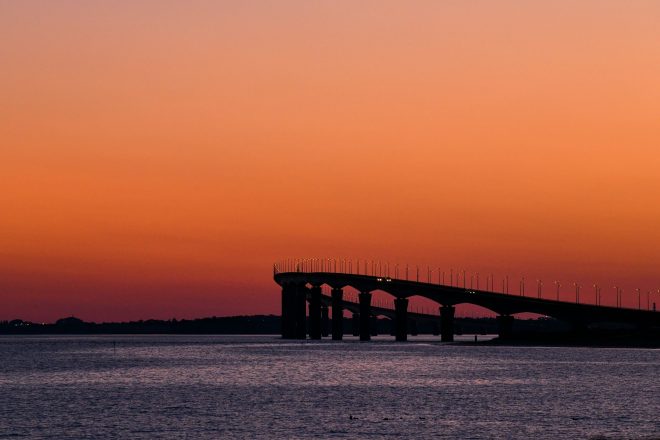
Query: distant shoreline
point(533, 332)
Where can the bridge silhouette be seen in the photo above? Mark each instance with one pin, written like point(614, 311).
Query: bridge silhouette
point(302, 280)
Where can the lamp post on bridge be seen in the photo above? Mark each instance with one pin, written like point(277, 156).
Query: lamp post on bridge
point(558, 284)
point(577, 292)
point(539, 287)
point(639, 300)
point(596, 293)
point(618, 295)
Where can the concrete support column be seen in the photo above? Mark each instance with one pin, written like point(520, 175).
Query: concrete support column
point(436, 328)
point(365, 316)
point(401, 319)
point(337, 314)
point(374, 326)
point(325, 321)
point(413, 327)
point(504, 326)
point(315, 313)
point(288, 311)
point(300, 309)
point(447, 323)
point(355, 322)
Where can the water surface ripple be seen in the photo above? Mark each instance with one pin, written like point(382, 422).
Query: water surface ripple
point(262, 387)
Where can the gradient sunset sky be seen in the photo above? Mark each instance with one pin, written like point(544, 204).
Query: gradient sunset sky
point(156, 157)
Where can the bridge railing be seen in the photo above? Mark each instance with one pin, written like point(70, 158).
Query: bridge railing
point(460, 278)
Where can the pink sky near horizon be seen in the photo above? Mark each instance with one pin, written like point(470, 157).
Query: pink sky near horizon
point(157, 157)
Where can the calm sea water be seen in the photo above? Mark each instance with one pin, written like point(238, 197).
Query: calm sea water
point(262, 387)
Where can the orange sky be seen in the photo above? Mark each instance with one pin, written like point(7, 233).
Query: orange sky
point(156, 157)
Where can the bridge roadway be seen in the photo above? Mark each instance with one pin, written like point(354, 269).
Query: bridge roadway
point(296, 293)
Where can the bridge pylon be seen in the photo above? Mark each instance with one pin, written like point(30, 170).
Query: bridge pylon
point(299, 311)
point(447, 323)
point(401, 319)
point(504, 326)
point(337, 314)
point(365, 316)
point(315, 313)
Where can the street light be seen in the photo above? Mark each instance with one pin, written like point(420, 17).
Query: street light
point(539, 288)
point(596, 292)
point(558, 284)
point(577, 292)
point(618, 295)
point(639, 300)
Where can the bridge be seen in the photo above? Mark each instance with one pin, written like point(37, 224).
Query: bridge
point(302, 281)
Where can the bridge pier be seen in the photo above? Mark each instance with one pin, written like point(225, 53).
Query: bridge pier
point(300, 312)
point(504, 326)
point(325, 321)
point(365, 316)
point(413, 327)
point(447, 323)
point(288, 322)
point(355, 321)
point(401, 319)
point(315, 313)
point(337, 314)
point(374, 326)
point(436, 328)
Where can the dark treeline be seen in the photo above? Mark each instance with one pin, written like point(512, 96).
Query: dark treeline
point(214, 325)
point(259, 324)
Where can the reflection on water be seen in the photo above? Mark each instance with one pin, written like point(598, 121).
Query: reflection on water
point(262, 387)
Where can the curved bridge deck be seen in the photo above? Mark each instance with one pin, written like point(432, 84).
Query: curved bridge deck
point(505, 305)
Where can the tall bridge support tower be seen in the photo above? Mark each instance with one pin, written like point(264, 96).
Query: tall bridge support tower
point(299, 308)
point(401, 319)
point(365, 316)
point(337, 314)
point(325, 321)
point(288, 329)
point(355, 323)
point(447, 323)
point(504, 326)
point(315, 313)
